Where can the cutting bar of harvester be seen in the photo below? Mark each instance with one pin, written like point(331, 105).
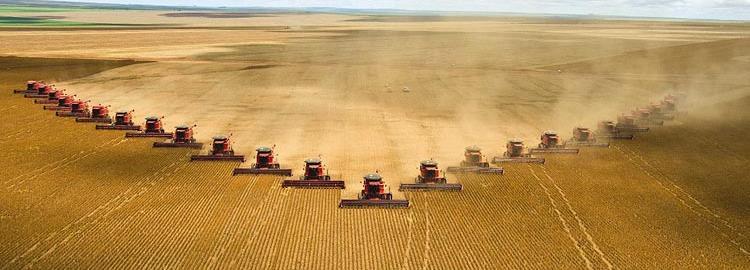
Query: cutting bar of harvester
point(313, 184)
point(479, 170)
point(45, 101)
point(240, 158)
point(252, 170)
point(118, 127)
point(587, 144)
point(94, 120)
point(518, 160)
point(349, 203)
point(72, 114)
point(179, 144)
point(56, 108)
point(431, 187)
point(557, 150)
point(35, 95)
point(633, 129)
point(148, 135)
point(616, 136)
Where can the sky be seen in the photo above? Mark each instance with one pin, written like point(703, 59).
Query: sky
point(696, 9)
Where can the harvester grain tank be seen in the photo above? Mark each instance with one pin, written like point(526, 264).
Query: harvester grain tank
point(608, 130)
point(63, 103)
point(154, 129)
point(430, 178)
point(315, 176)
point(265, 163)
point(52, 97)
point(374, 194)
point(99, 114)
point(474, 162)
point(79, 108)
point(182, 137)
point(123, 121)
point(221, 149)
point(584, 137)
point(550, 144)
point(514, 153)
point(626, 123)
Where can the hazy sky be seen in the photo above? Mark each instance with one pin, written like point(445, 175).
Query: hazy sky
point(706, 9)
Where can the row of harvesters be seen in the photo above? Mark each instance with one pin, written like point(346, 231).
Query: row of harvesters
point(374, 192)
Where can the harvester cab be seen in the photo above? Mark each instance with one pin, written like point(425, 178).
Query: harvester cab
point(265, 163)
point(221, 149)
point(123, 121)
point(583, 136)
point(474, 162)
point(154, 128)
point(182, 137)
point(514, 153)
point(430, 178)
point(99, 114)
point(315, 176)
point(550, 144)
point(374, 194)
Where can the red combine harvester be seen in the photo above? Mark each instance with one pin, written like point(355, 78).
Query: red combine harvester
point(584, 137)
point(474, 162)
point(123, 121)
point(221, 149)
point(31, 88)
point(41, 92)
point(626, 123)
point(550, 144)
point(644, 117)
point(659, 112)
point(182, 137)
point(609, 130)
point(374, 194)
point(264, 164)
point(78, 108)
point(514, 154)
point(63, 103)
point(52, 97)
point(430, 178)
point(154, 128)
point(99, 114)
point(315, 177)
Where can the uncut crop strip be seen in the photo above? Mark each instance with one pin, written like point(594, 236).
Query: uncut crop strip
point(721, 225)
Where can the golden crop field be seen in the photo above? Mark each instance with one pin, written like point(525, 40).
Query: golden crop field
point(673, 198)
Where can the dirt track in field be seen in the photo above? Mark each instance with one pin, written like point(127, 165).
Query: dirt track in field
point(384, 96)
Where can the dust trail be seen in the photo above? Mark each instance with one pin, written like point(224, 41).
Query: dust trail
point(564, 223)
point(581, 225)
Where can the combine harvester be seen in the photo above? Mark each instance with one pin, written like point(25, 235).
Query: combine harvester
point(264, 164)
point(123, 121)
point(514, 154)
point(42, 91)
point(584, 137)
point(99, 114)
point(78, 108)
point(608, 130)
point(430, 178)
point(63, 103)
point(474, 162)
point(221, 149)
point(182, 137)
point(550, 144)
point(315, 177)
point(32, 87)
point(658, 112)
point(154, 129)
point(626, 124)
point(644, 117)
point(374, 194)
point(52, 97)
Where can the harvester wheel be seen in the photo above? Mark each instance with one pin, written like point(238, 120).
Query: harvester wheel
point(389, 196)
